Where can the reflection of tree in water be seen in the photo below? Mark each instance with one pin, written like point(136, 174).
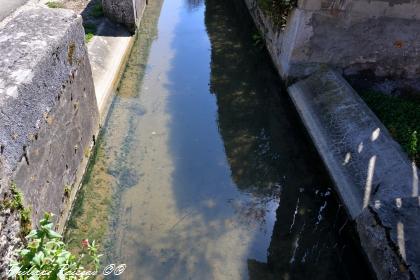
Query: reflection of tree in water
point(242, 84)
point(194, 4)
point(267, 155)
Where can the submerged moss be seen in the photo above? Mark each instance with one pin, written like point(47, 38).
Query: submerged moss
point(109, 173)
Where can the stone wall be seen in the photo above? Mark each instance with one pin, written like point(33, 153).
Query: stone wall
point(349, 35)
point(48, 113)
point(126, 12)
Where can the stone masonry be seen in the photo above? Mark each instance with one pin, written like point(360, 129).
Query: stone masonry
point(126, 12)
point(48, 114)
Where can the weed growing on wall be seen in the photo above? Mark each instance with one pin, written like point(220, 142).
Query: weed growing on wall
point(90, 30)
point(15, 203)
point(278, 10)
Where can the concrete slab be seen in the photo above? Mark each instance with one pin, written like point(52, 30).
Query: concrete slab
point(401, 219)
point(372, 175)
point(365, 162)
point(7, 7)
point(108, 53)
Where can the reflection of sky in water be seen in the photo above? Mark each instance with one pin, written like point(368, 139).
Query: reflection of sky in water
point(205, 154)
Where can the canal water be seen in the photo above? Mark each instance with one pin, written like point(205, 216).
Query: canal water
point(203, 170)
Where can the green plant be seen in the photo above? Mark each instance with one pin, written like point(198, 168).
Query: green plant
point(15, 203)
point(90, 29)
point(97, 10)
point(54, 4)
point(67, 190)
point(278, 10)
point(400, 116)
point(88, 37)
point(45, 257)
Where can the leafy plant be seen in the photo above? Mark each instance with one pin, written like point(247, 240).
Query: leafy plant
point(46, 257)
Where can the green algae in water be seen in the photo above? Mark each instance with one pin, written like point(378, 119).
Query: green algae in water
point(99, 196)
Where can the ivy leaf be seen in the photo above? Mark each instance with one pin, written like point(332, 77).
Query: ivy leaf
point(14, 270)
point(61, 275)
point(38, 258)
point(32, 234)
point(53, 235)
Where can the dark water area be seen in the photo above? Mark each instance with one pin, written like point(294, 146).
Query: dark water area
point(212, 174)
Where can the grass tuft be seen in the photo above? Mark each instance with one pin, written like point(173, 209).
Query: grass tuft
point(90, 30)
point(54, 5)
point(401, 117)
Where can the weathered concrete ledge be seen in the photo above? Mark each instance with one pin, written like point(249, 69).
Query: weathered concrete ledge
point(108, 54)
point(48, 111)
point(374, 178)
point(126, 12)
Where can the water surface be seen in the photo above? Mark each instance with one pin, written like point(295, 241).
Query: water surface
point(209, 173)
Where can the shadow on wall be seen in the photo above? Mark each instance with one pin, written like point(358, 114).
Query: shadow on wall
point(96, 23)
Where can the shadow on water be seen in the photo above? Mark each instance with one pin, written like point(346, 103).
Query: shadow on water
point(270, 159)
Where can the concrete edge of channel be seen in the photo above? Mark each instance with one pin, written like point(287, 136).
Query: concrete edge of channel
point(105, 90)
point(374, 179)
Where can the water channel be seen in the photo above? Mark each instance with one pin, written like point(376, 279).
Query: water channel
point(203, 170)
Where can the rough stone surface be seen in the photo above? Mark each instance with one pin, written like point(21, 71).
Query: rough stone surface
point(394, 223)
point(126, 12)
point(7, 7)
point(401, 220)
point(408, 9)
point(48, 111)
point(375, 180)
point(351, 35)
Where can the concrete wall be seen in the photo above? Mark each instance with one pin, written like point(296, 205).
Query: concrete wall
point(407, 9)
point(349, 35)
point(126, 12)
point(48, 113)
